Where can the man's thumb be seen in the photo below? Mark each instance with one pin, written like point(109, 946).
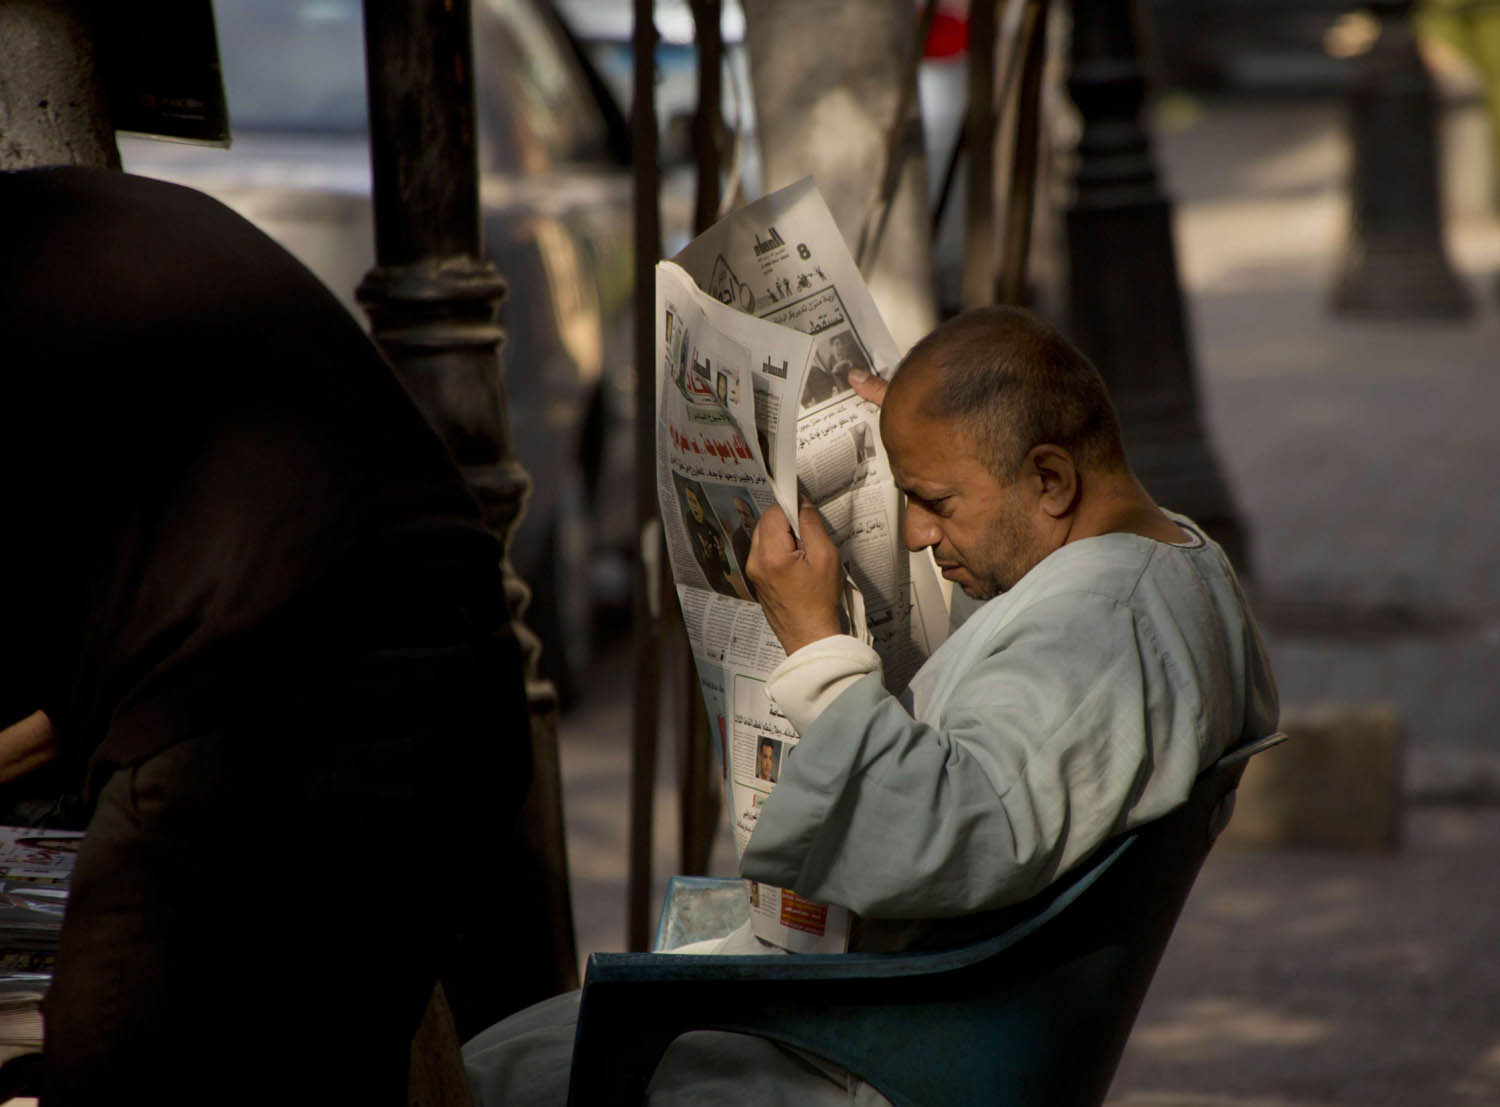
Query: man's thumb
point(868, 386)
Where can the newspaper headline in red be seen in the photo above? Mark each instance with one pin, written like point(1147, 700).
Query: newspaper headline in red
point(732, 448)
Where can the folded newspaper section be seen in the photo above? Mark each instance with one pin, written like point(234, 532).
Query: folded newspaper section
point(761, 320)
point(35, 869)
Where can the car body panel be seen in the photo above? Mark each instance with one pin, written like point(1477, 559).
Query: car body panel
point(555, 207)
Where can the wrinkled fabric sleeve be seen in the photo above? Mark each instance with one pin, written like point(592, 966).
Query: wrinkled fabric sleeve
point(1039, 755)
point(812, 678)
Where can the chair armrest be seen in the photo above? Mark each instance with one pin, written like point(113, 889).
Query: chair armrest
point(1249, 749)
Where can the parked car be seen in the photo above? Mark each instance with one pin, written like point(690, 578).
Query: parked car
point(556, 198)
point(605, 29)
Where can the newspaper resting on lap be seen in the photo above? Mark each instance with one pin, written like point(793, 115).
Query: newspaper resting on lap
point(759, 321)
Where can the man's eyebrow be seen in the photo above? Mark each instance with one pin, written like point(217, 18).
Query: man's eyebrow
point(931, 494)
point(904, 481)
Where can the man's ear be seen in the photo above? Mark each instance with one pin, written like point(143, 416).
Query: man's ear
point(1054, 477)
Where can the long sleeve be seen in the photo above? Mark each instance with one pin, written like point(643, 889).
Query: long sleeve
point(812, 679)
point(1071, 728)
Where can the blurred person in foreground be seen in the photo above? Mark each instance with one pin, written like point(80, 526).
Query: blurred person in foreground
point(250, 613)
point(1111, 660)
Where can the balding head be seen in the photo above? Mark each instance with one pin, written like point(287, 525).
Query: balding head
point(1012, 382)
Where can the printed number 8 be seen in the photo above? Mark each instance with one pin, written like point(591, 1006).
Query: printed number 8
point(803, 252)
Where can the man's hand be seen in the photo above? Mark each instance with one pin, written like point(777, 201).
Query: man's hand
point(868, 386)
point(26, 745)
point(799, 584)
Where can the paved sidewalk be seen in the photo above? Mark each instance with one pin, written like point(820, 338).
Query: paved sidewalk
point(1367, 464)
point(1364, 455)
point(1366, 461)
point(1313, 978)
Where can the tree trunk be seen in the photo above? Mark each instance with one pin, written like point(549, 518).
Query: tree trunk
point(827, 111)
point(53, 110)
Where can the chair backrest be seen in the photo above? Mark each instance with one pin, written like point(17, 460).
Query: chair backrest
point(1039, 1013)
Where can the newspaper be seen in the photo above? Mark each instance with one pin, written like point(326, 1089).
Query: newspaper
point(761, 319)
point(38, 856)
point(36, 867)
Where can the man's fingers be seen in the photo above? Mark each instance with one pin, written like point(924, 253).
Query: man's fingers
point(868, 385)
point(814, 532)
point(772, 534)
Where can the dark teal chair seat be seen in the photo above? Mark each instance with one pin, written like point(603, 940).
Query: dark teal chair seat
point(1038, 1014)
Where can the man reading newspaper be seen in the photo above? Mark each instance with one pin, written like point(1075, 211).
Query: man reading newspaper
point(1113, 657)
point(1111, 660)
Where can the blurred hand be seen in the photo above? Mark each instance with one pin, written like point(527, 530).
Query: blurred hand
point(868, 386)
point(26, 745)
point(799, 584)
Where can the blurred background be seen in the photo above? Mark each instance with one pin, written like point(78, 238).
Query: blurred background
point(1317, 305)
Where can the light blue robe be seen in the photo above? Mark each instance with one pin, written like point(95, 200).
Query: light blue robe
point(1080, 703)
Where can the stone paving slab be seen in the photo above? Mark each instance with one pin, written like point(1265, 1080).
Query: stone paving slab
point(1322, 977)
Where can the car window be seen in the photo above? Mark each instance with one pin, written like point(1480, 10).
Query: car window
point(299, 65)
point(541, 111)
point(293, 65)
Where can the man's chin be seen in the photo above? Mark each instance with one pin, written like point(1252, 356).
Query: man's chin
point(973, 588)
point(977, 590)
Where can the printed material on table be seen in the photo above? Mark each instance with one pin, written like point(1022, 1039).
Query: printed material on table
point(36, 867)
point(760, 320)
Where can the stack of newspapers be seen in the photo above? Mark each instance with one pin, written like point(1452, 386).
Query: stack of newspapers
point(35, 869)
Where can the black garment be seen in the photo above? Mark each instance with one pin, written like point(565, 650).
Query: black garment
point(707, 541)
point(739, 539)
point(240, 569)
point(818, 386)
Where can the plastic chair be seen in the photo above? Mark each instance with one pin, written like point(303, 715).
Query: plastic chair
point(1037, 1014)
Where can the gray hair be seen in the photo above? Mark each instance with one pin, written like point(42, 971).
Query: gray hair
point(1015, 382)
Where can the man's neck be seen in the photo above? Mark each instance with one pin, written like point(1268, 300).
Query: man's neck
point(1117, 504)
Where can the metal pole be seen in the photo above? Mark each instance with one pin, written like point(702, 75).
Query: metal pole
point(1020, 196)
point(698, 788)
point(1125, 301)
point(650, 584)
point(979, 139)
point(432, 302)
point(708, 119)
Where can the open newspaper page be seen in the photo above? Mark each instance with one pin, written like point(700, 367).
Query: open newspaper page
point(753, 408)
point(782, 259)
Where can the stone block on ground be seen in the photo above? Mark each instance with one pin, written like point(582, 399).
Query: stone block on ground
point(1335, 784)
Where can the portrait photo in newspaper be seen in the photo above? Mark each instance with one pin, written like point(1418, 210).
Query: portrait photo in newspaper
point(711, 546)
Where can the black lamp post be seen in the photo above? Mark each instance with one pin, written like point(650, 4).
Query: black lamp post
point(651, 586)
point(1125, 300)
point(1394, 264)
point(432, 301)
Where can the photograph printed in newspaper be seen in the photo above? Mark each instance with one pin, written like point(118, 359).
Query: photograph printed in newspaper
point(760, 321)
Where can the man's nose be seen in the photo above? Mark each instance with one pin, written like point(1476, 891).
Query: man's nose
point(919, 528)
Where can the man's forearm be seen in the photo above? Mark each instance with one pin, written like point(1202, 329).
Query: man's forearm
point(26, 745)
